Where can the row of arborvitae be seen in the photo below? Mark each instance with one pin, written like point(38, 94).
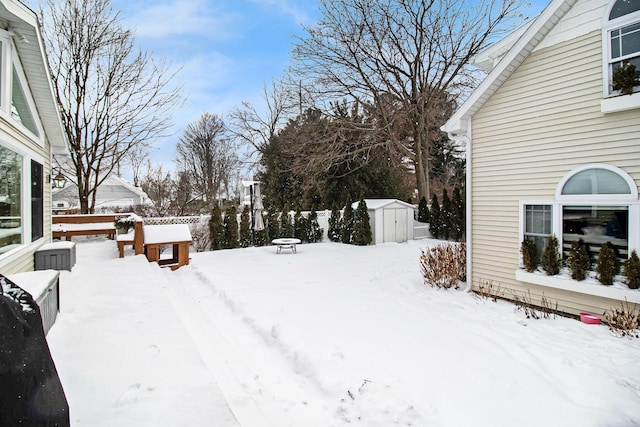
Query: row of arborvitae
point(444, 266)
point(446, 221)
point(226, 233)
point(351, 227)
point(579, 263)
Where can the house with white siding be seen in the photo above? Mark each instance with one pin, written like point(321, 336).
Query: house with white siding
point(114, 193)
point(30, 132)
point(554, 149)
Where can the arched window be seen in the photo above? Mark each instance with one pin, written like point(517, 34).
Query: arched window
point(621, 29)
point(597, 182)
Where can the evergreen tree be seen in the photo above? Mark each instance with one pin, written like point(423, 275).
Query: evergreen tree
point(334, 232)
point(459, 223)
point(579, 261)
point(446, 216)
point(347, 224)
point(530, 257)
point(245, 228)
point(423, 210)
point(551, 259)
point(273, 227)
point(262, 236)
point(299, 226)
point(230, 223)
point(607, 265)
point(286, 226)
point(361, 225)
point(632, 271)
point(215, 228)
point(314, 232)
point(435, 221)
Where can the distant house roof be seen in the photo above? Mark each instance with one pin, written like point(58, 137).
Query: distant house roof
point(514, 49)
point(20, 19)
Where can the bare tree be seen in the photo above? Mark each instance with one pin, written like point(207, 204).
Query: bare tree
point(161, 189)
point(112, 97)
point(136, 158)
point(255, 130)
point(412, 53)
point(207, 156)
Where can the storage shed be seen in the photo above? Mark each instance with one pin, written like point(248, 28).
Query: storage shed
point(391, 220)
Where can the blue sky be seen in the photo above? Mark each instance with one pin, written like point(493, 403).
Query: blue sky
point(228, 49)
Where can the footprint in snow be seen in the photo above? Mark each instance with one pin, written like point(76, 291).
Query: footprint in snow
point(129, 396)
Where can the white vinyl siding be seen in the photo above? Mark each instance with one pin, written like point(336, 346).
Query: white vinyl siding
point(542, 123)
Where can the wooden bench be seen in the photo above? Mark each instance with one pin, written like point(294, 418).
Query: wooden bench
point(134, 239)
point(177, 236)
point(67, 226)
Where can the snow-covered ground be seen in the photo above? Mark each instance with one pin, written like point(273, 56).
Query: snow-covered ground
point(330, 336)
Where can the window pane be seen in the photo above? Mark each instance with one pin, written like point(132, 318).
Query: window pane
point(37, 205)
point(20, 110)
point(10, 199)
point(624, 7)
point(615, 47)
point(596, 181)
point(538, 219)
point(596, 225)
point(631, 39)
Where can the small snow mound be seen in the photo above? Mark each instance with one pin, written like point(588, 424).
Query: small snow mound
point(373, 404)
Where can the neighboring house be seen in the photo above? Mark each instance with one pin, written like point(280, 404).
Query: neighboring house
point(114, 193)
point(553, 149)
point(30, 132)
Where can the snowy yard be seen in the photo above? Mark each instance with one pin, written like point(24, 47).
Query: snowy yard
point(330, 336)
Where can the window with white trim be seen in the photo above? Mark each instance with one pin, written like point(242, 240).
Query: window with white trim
point(621, 38)
point(538, 224)
point(596, 203)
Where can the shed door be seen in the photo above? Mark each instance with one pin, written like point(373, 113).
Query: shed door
point(395, 225)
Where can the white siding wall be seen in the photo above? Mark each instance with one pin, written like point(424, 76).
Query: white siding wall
point(543, 122)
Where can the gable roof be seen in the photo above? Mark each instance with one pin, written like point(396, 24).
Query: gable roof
point(533, 34)
point(374, 204)
point(18, 18)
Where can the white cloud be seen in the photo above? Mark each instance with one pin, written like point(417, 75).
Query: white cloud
point(297, 9)
point(179, 17)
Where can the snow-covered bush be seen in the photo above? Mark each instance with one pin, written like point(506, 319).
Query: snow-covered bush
point(444, 266)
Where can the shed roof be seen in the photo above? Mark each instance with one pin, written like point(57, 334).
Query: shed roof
point(375, 204)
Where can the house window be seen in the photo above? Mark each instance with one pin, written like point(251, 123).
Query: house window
point(37, 199)
point(11, 226)
point(20, 108)
point(596, 226)
point(622, 39)
point(538, 224)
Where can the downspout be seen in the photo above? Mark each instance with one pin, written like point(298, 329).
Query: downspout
point(465, 138)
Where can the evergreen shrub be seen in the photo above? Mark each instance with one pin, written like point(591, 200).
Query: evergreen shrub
point(245, 227)
point(530, 256)
point(434, 218)
point(607, 265)
point(361, 225)
point(579, 261)
point(335, 222)
point(632, 271)
point(551, 259)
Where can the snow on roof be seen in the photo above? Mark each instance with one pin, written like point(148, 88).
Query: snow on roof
point(380, 203)
point(166, 233)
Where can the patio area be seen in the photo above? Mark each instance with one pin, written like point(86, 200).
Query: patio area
point(330, 336)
